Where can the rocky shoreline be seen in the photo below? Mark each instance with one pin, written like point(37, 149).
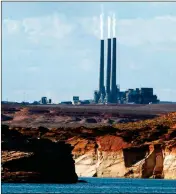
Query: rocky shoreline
point(137, 149)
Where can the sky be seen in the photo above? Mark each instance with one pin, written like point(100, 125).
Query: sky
point(52, 48)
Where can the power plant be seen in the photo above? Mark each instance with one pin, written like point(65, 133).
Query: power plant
point(111, 93)
point(108, 90)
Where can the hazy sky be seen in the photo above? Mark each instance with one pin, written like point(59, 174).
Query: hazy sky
point(52, 49)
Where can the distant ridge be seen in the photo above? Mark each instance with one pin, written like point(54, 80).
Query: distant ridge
point(167, 102)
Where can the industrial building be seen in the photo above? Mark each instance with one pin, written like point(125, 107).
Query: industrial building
point(44, 100)
point(75, 99)
point(111, 93)
point(138, 96)
point(66, 102)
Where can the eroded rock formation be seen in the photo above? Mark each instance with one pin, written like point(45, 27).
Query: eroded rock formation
point(138, 149)
point(147, 161)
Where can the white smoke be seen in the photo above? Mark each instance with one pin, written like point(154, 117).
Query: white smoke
point(109, 27)
point(101, 22)
point(113, 25)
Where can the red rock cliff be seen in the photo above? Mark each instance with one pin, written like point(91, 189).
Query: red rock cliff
point(142, 149)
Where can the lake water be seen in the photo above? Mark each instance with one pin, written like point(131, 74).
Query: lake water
point(96, 185)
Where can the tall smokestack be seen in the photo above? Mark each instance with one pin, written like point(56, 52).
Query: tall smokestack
point(113, 74)
point(113, 81)
point(101, 80)
point(108, 73)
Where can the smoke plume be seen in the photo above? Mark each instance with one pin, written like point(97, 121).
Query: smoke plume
point(101, 23)
point(109, 27)
point(113, 25)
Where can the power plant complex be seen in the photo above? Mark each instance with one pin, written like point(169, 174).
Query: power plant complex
point(111, 93)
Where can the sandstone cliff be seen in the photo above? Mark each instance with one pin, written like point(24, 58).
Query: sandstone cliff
point(146, 161)
point(134, 150)
point(141, 149)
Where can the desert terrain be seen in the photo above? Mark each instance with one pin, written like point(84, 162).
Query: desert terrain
point(82, 115)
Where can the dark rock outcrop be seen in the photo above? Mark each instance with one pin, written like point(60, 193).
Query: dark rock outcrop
point(35, 160)
point(6, 118)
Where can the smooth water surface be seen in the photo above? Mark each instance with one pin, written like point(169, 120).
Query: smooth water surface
point(97, 185)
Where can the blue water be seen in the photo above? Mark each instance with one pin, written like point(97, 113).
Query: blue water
point(97, 185)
